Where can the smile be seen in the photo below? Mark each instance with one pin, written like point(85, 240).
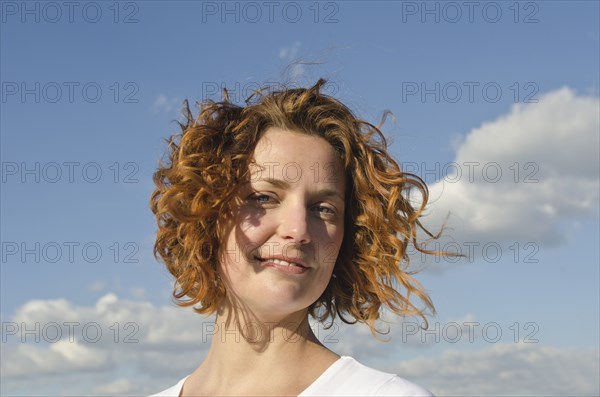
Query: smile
point(283, 265)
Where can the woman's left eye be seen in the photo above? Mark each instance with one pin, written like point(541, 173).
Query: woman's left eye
point(325, 210)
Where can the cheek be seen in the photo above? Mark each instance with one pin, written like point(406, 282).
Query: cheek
point(244, 238)
point(328, 255)
point(327, 248)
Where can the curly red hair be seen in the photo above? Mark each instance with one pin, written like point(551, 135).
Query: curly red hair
point(210, 158)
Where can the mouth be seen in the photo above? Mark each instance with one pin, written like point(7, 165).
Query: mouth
point(281, 263)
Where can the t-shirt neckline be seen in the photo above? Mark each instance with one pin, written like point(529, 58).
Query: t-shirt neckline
point(320, 379)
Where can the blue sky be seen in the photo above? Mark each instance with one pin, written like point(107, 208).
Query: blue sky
point(505, 86)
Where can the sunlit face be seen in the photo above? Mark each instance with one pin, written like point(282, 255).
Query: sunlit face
point(280, 250)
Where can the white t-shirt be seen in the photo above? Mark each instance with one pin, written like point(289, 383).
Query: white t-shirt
point(345, 377)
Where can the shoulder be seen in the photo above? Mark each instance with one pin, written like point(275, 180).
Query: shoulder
point(348, 377)
point(172, 391)
point(388, 384)
point(397, 386)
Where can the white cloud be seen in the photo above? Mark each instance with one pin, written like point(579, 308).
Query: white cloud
point(508, 369)
point(117, 387)
point(97, 286)
point(164, 104)
point(60, 357)
point(62, 338)
point(547, 154)
point(137, 292)
point(290, 54)
point(167, 343)
point(407, 335)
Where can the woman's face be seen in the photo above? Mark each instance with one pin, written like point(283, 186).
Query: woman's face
point(281, 247)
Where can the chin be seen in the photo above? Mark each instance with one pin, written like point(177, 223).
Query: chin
point(280, 306)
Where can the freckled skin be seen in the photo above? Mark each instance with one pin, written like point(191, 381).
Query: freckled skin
point(301, 216)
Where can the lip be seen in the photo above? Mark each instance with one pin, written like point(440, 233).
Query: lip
point(286, 269)
point(301, 268)
point(286, 258)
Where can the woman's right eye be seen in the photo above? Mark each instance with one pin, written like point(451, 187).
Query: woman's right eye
point(260, 198)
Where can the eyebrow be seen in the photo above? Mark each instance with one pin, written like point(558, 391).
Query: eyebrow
point(281, 184)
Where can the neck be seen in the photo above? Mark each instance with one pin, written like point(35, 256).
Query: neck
point(242, 333)
point(246, 347)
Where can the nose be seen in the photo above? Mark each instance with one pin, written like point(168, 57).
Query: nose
point(294, 226)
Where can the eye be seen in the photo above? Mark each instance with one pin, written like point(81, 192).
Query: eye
point(259, 198)
point(325, 210)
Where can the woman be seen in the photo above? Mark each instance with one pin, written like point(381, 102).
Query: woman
point(272, 212)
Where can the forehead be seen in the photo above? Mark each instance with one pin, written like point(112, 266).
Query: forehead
point(286, 152)
point(280, 143)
